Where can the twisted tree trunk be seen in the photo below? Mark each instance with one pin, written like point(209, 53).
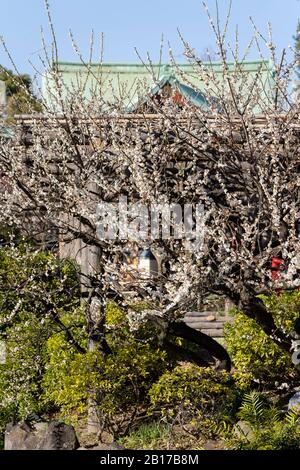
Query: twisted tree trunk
point(215, 349)
point(254, 308)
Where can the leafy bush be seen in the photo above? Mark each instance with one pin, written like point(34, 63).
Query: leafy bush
point(117, 384)
point(40, 301)
point(280, 436)
point(285, 307)
point(20, 379)
point(270, 428)
point(255, 356)
point(28, 279)
point(194, 397)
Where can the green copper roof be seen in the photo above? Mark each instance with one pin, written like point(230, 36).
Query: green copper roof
point(130, 82)
point(71, 67)
point(190, 94)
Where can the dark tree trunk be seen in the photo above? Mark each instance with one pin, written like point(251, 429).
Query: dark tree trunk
point(96, 324)
point(202, 357)
point(254, 308)
point(215, 349)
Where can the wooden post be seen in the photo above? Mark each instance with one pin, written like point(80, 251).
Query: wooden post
point(88, 258)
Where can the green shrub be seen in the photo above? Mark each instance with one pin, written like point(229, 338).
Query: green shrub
point(194, 397)
point(281, 436)
point(27, 278)
point(43, 372)
point(20, 376)
point(270, 428)
point(254, 355)
point(117, 384)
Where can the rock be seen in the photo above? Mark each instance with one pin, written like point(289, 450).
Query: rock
point(41, 427)
point(88, 440)
point(85, 438)
point(294, 401)
point(212, 444)
point(40, 436)
point(243, 429)
point(16, 436)
point(210, 318)
point(59, 436)
point(105, 437)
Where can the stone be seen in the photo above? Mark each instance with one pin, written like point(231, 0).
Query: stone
point(210, 318)
point(212, 444)
point(41, 427)
point(294, 401)
point(243, 429)
point(59, 436)
point(16, 436)
point(88, 439)
point(40, 436)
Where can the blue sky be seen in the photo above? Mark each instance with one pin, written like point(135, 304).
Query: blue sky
point(134, 23)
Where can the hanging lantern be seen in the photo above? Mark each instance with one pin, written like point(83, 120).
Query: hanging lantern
point(147, 264)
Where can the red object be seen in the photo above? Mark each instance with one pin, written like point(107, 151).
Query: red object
point(277, 266)
point(178, 98)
